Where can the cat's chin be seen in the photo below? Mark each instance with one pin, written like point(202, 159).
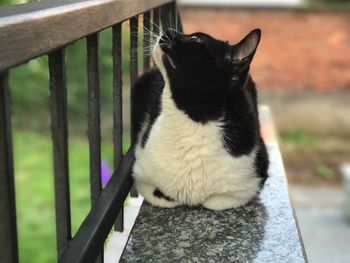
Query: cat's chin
point(158, 55)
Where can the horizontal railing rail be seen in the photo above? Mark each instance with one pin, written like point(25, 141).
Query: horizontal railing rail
point(45, 28)
point(91, 235)
point(30, 30)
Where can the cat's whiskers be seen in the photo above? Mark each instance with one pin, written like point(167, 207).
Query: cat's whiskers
point(153, 24)
point(151, 39)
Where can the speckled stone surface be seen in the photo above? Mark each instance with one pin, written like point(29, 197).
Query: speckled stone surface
point(265, 230)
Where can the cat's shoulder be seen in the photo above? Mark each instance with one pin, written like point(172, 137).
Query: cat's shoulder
point(147, 89)
point(150, 78)
point(146, 99)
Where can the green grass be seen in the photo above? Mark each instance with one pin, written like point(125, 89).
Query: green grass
point(35, 191)
point(302, 138)
point(324, 171)
point(15, 2)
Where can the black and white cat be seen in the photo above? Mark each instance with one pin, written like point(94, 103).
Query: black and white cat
point(196, 120)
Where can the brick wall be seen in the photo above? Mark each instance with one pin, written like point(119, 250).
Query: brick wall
point(299, 49)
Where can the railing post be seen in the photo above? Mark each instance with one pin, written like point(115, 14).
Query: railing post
point(117, 109)
point(133, 78)
point(94, 128)
point(146, 39)
point(94, 131)
point(8, 222)
point(166, 17)
point(178, 21)
point(59, 132)
point(170, 17)
point(156, 22)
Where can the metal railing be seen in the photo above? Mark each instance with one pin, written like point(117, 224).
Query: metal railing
point(32, 30)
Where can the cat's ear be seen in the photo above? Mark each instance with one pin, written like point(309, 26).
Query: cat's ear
point(243, 52)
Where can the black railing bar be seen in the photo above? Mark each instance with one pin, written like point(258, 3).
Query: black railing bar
point(178, 20)
point(8, 222)
point(167, 16)
point(156, 20)
point(133, 67)
point(59, 132)
point(146, 39)
point(94, 120)
point(94, 130)
point(30, 30)
point(86, 244)
point(156, 23)
point(117, 108)
point(134, 23)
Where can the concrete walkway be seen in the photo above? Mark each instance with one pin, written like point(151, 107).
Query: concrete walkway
point(325, 231)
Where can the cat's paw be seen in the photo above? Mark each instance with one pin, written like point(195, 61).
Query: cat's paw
point(223, 201)
point(154, 196)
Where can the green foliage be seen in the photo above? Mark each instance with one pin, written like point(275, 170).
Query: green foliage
point(334, 1)
point(29, 89)
point(11, 2)
point(329, 3)
point(35, 191)
point(15, 2)
point(29, 83)
point(297, 136)
point(324, 171)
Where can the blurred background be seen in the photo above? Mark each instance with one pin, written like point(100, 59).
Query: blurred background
point(302, 70)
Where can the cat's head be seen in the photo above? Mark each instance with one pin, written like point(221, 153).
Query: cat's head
point(202, 70)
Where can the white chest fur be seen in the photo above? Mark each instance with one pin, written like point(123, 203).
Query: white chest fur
point(188, 162)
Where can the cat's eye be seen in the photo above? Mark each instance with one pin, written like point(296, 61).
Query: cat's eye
point(195, 39)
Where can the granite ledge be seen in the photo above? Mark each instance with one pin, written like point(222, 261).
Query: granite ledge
point(265, 230)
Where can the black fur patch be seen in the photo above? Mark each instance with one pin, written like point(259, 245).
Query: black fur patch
point(262, 162)
point(160, 194)
point(146, 101)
